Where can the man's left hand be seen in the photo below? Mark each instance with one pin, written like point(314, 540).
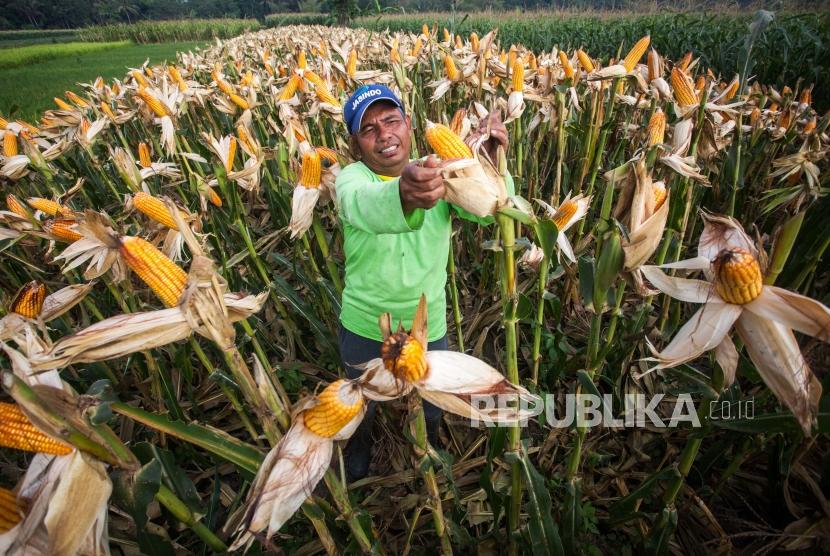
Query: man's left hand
point(493, 125)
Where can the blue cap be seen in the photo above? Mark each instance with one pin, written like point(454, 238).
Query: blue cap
point(364, 97)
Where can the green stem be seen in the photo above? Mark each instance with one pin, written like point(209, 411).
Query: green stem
point(431, 483)
point(331, 266)
point(540, 318)
point(783, 246)
point(181, 512)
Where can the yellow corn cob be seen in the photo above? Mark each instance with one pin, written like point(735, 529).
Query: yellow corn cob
point(656, 128)
point(239, 101)
point(585, 61)
point(341, 84)
point(566, 65)
point(213, 197)
point(394, 55)
point(247, 78)
point(445, 143)
point(446, 35)
point(177, 77)
point(653, 65)
point(518, 76)
point(15, 206)
point(154, 208)
point(511, 56)
point(806, 97)
point(158, 108)
point(458, 121)
point(564, 214)
point(99, 83)
point(299, 134)
point(283, 71)
point(458, 43)
point(773, 107)
point(61, 228)
point(3, 122)
point(62, 105)
point(11, 513)
point(327, 154)
point(786, 91)
point(503, 57)
point(313, 78)
point(738, 277)
point(338, 405)
point(269, 68)
point(105, 108)
point(165, 278)
point(29, 300)
point(732, 90)
point(810, 126)
point(311, 170)
point(474, 44)
point(149, 71)
point(351, 65)
point(29, 127)
point(116, 90)
point(301, 60)
point(416, 48)
point(325, 95)
point(754, 115)
point(84, 126)
point(291, 87)
point(700, 83)
point(144, 155)
point(245, 138)
point(684, 62)
point(404, 357)
point(660, 193)
point(45, 205)
point(684, 93)
point(636, 52)
point(9, 144)
point(449, 67)
point(76, 99)
point(532, 63)
point(139, 78)
point(784, 119)
point(425, 30)
point(231, 154)
point(16, 431)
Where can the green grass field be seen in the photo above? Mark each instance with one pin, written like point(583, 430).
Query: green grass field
point(28, 90)
point(27, 55)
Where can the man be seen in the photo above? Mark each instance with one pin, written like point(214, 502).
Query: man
point(396, 235)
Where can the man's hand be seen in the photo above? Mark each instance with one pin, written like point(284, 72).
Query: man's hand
point(493, 126)
point(421, 184)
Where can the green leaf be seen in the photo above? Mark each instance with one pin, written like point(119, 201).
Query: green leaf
point(610, 263)
point(134, 491)
point(544, 534)
point(586, 279)
point(546, 234)
point(571, 514)
point(517, 214)
point(622, 511)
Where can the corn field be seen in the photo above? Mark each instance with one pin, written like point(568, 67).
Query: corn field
point(172, 268)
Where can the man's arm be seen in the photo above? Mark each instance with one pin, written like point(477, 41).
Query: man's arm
point(392, 207)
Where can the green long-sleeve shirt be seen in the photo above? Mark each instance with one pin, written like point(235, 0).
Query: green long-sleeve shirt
point(392, 258)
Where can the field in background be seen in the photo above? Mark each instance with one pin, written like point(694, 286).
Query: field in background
point(15, 57)
point(794, 46)
point(28, 90)
point(170, 31)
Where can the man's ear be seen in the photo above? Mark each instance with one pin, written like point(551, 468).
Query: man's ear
point(354, 148)
point(408, 121)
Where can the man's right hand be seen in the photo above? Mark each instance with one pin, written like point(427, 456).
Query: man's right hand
point(421, 184)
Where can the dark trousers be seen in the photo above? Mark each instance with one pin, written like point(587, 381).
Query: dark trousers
point(355, 350)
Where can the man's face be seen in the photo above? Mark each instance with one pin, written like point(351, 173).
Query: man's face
point(383, 139)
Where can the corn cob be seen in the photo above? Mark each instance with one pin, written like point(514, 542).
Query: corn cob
point(585, 60)
point(139, 78)
point(445, 143)
point(786, 91)
point(532, 63)
point(213, 197)
point(245, 138)
point(518, 76)
point(636, 52)
point(754, 115)
point(404, 357)
point(449, 67)
point(231, 154)
point(684, 93)
point(16, 431)
point(339, 404)
point(84, 126)
point(327, 154)
point(656, 128)
point(9, 144)
point(301, 60)
point(564, 214)
point(62, 105)
point(784, 119)
point(81, 103)
point(158, 108)
point(458, 121)
point(10, 512)
point(45, 205)
point(61, 228)
point(474, 44)
point(566, 65)
point(3, 122)
point(660, 194)
point(416, 48)
point(105, 108)
point(247, 78)
point(700, 83)
point(653, 65)
point(325, 95)
point(313, 78)
point(144, 155)
point(394, 55)
point(684, 62)
point(239, 101)
point(810, 126)
point(154, 208)
point(29, 300)
point(15, 206)
point(311, 169)
point(351, 65)
point(738, 277)
point(165, 278)
point(446, 35)
point(458, 43)
point(732, 90)
point(806, 97)
point(291, 87)
point(27, 127)
point(511, 57)
point(176, 76)
point(425, 30)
